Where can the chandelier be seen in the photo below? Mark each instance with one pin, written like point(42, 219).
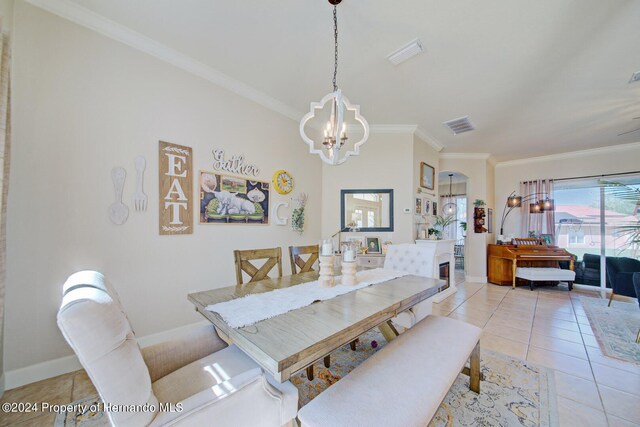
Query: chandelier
point(450, 207)
point(334, 134)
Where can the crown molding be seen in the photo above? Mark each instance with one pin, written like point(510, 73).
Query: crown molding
point(98, 23)
point(466, 156)
point(408, 129)
point(570, 154)
point(428, 138)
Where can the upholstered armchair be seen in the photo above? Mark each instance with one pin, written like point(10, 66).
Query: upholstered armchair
point(417, 260)
point(620, 272)
point(193, 381)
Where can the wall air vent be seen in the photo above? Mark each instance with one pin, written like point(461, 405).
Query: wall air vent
point(406, 52)
point(459, 125)
point(635, 77)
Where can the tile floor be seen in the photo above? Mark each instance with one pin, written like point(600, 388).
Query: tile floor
point(547, 326)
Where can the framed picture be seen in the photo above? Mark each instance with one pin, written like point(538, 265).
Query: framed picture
point(427, 176)
point(435, 208)
point(233, 200)
point(489, 220)
point(547, 239)
point(418, 205)
point(426, 208)
point(373, 245)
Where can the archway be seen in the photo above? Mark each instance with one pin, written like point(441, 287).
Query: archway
point(453, 207)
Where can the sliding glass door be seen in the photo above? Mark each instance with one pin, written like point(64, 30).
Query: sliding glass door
point(593, 221)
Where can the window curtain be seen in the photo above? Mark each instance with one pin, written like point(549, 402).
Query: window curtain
point(540, 223)
point(5, 144)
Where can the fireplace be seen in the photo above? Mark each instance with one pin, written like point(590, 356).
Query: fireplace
point(443, 266)
point(445, 274)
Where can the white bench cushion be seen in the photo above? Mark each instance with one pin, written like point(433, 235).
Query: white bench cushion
point(544, 274)
point(401, 385)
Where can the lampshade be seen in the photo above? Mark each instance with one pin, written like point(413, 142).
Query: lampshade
point(536, 208)
point(514, 201)
point(548, 204)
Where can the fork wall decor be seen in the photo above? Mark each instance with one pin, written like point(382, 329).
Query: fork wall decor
point(139, 197)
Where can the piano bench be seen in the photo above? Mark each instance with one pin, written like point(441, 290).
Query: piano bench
point(537, 274)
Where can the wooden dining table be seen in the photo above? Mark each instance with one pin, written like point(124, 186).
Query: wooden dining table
point(287, 343)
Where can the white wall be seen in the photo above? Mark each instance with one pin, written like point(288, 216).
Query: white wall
point(83, 104)
point(384, 162)
point(611, 160)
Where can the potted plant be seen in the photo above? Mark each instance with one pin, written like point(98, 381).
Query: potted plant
point(478, 203)
point(440, 224)
point(630, 230)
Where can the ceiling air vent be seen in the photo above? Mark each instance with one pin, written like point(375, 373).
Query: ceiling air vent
point(635, 77)
point(406, 52)
point(459, 125)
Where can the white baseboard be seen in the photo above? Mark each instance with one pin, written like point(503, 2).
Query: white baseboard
point(476, 279)
point(63, 365)
point(41, 371)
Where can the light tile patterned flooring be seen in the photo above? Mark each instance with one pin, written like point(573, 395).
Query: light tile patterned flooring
point(547, 326)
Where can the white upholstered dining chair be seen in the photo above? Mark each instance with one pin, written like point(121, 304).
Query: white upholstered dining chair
point(417, 260)
point(205, 381)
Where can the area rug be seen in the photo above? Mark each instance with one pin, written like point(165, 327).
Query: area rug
point(615, 327)
point(513, 392)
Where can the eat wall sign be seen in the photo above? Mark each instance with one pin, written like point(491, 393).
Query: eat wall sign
point(176, 192)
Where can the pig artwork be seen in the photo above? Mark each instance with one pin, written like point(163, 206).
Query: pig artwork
point(233, 200)
point(230, 204)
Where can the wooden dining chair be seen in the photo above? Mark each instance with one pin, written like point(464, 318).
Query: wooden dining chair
point(295, 255)
point(243, 260)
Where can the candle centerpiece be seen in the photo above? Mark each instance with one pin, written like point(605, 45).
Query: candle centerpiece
point(326, 264)
point(349, 264)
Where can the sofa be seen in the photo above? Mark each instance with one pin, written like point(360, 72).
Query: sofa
point(588, 271)
point(619, 273)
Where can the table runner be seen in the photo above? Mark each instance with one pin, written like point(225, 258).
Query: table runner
point(254, 308)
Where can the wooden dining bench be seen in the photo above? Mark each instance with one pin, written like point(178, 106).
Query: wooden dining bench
point(403, 383)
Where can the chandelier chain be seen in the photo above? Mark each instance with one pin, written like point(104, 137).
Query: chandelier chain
point(335, 34)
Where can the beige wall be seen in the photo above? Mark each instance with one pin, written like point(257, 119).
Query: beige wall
point(384, 162)
point(423, 152)
point(622, 158)
point(84, 104)
point(6, 14)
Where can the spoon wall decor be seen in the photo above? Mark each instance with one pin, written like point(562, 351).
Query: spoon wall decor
point(118, 211)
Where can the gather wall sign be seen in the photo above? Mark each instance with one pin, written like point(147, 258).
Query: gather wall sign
point(234, 165)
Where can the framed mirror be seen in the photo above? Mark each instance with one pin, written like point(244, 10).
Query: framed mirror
point(370, 210)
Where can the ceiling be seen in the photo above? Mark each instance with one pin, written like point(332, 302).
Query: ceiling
point(535, 77)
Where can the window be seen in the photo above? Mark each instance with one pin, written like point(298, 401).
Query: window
point(576, 237)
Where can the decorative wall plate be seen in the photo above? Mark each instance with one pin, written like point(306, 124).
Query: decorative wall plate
point(282, 181)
